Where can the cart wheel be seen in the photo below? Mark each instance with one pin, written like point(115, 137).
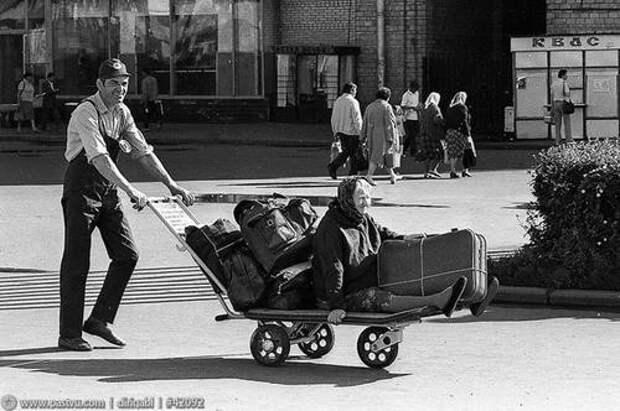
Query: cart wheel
point(379, 359)
point(322, 344)
point(270, 345)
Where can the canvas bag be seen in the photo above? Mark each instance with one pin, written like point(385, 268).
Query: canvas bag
point(278, 234)
point(222, 248)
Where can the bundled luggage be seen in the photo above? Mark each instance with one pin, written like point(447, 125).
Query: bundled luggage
point(223, 250)
point(266, 262)
point(428, 265)
point(291, 288)
point(279, 234)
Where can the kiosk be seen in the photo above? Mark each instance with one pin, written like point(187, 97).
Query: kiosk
point(592, 62)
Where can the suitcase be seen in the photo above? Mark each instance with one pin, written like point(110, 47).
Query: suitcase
point(429, 265)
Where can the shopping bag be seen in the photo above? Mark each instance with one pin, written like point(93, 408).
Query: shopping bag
point(335, 150)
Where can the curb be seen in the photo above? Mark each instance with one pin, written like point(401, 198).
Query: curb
point(558, 298)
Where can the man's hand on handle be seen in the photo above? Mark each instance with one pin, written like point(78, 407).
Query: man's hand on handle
point(187, 197)
point(138, 198)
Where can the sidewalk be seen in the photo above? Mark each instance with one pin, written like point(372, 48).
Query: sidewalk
point(267, 134)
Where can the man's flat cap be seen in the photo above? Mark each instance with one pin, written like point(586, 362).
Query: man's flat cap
point(112, 68)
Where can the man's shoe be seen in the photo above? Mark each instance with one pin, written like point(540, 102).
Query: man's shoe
point(100, 329)
point(332, 172)
point(74, 344)
point(454, 175)
point(457, 292)
point(478, 309)
point(466, 173)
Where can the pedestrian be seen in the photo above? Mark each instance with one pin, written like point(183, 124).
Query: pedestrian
point(432, 133)
point(346, 126)
point(410, 103)
point(49, 113)
point(395, 158)
point(150, 100)
point(100, 128)
point(380, 134)
point(458, 134)
point(345, 249)
point(560, 95)
point(25, 99)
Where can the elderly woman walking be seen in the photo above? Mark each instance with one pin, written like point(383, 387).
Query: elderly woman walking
point(458, 136)
point(379, 131)
point(431, 134)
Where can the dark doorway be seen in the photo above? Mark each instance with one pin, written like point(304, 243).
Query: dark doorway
point(469, 43)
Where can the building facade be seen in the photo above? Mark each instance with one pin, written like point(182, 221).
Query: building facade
point(286, 60)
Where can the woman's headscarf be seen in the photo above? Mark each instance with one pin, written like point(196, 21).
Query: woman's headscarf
point(344, 199)
point(432, 98)
point(459, 98)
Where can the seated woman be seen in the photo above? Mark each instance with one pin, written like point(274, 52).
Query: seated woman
point(345, 245)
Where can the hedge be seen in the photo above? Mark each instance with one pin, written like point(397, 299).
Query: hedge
point(574, 223)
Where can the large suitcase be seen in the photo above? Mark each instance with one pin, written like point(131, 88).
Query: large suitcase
point(429, 265)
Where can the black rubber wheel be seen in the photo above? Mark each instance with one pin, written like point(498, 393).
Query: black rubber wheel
point(270, 345)
point(323, 341)
point(379, 359)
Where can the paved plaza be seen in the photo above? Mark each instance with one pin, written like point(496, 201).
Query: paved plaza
point(514, 357)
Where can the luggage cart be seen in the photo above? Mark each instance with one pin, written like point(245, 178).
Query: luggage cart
point(277, 330)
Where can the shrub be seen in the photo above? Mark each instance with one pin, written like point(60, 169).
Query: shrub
point(574, 223)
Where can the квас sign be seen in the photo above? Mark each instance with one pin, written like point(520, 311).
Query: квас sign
point(581, 42)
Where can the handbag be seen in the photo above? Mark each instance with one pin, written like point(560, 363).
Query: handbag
point(568, 107)
point(335, 150)
point(391, 159)
point(360, 157)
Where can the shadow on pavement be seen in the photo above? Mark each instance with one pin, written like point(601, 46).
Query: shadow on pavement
point(509, 312)
point(205, 368)
point(29, 351)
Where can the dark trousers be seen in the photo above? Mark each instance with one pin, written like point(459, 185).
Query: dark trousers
point(412, 131)
point(349, 146)
point(82, 214)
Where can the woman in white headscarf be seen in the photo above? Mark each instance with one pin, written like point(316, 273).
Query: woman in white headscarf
point(458, 135)
point(431, 134)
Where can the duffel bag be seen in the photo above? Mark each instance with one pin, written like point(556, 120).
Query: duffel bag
point(247, 279)
point(427, 266)
point(279, 235)
point(211, 243)
point(291, 288)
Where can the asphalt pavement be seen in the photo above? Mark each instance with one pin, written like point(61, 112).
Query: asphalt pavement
point(514, 357)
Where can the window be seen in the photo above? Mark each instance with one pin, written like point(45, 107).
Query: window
point(196, 44)
point(192, 47)
point(140, 35)
point(286, 80)
point(307, 78)
point(12, 15)
point(80, 43)
point(248, 61)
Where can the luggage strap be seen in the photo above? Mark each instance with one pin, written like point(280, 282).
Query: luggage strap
point(218, 251)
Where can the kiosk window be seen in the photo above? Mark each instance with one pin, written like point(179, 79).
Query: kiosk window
point(602, 58)
point(566, 59)
point(531, 60)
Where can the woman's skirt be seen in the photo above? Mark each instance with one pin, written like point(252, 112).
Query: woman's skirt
point(26, 111)
point(373, 300)
point(429, 149)
point(457, 143)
